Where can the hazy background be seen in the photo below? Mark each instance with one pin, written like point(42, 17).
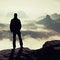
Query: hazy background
point(40, 22)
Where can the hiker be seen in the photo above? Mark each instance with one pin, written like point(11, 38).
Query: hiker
point(15, 27)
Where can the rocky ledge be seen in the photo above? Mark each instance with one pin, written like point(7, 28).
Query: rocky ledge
point(49, 51)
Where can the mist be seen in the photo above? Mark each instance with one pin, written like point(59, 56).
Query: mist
point(34, 34)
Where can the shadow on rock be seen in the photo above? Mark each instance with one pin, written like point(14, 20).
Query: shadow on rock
point(11, 57)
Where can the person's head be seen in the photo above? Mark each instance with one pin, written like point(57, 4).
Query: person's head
point(15, 15)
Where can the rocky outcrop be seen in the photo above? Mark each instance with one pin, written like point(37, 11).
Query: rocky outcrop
point(49, 51)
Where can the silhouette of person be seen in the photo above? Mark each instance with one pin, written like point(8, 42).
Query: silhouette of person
point(15, 27)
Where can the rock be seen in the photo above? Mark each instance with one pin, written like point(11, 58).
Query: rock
point(47, 52)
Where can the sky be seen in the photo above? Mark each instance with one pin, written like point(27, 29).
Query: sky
point(27, 9)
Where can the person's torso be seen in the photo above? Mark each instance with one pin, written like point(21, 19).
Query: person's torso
point(15, 25)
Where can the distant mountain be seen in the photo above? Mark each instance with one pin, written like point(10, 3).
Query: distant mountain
point(46, 21)
point(55, 16)
point(49, 23)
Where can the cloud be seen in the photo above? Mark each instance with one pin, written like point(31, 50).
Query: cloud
point(32, 34)
point(21, 14)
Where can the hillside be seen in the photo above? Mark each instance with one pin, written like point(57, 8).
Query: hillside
point(49, 51)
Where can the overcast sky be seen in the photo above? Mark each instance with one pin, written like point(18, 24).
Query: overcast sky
point(31, 8)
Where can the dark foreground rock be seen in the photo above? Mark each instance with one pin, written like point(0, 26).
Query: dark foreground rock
point(49, 51)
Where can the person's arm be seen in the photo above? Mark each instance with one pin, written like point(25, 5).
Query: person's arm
point(20, 24)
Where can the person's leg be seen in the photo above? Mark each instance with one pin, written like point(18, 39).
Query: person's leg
point(20, 40)
point(14, 40)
